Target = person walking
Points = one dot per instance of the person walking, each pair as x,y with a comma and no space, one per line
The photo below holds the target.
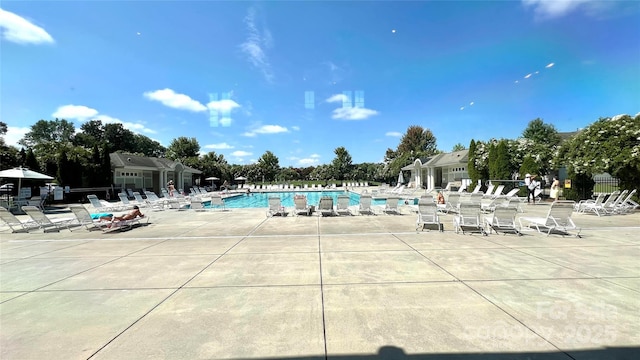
555,189
532,185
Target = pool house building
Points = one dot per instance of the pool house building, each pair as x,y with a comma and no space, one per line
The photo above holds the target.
150,173
439,170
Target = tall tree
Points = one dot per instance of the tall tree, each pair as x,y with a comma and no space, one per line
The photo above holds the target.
458,147
472,167
119,138
48,138
541,141
541,133
418,142
499,165
342,164
183,148
269,165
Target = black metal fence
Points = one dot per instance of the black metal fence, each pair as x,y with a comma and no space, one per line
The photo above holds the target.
605,184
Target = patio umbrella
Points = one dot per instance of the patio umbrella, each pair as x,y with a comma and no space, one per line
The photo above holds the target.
22,173
212,179
240,178
400,178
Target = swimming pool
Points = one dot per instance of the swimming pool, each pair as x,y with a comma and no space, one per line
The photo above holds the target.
261,200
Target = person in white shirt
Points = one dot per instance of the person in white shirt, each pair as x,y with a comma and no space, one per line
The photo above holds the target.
532,185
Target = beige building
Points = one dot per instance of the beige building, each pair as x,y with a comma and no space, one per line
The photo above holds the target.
439,170
150,173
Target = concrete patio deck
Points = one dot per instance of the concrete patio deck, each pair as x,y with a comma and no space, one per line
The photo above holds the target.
238,285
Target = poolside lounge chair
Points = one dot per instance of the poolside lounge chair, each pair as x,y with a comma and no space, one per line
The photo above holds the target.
14,223
43,221
468,219
502,220
452,204
590,205
217,202
558,220
275,207
120,225
84,218
391,205
428,214
105,206
301,205
627,204
364,207
599,207
342,207
325,206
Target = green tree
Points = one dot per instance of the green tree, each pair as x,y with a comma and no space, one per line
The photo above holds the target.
9,155
418,141
183,148
458,147
269,166
148,147
541,133
119,138
342,164
540,141
499,166
610,145
30,160
472,168
47,139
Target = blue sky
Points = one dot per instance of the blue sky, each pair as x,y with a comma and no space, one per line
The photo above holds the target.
302,78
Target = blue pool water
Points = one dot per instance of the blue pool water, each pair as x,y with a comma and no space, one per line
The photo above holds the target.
261,200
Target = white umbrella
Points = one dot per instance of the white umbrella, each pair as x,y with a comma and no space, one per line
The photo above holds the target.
22,173
212,178
240,178
400,178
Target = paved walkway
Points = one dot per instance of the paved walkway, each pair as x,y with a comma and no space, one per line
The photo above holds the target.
236,284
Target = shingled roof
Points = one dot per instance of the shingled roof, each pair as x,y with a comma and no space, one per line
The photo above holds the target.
152,163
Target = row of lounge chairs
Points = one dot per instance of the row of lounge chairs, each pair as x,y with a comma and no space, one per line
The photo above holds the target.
608,204
37,220
326,206
469,217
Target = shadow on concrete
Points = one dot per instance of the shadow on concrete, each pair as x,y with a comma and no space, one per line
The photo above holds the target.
396,353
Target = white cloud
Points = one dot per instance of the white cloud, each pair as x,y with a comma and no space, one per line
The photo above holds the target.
21,31
258,40
223,105
174,100
78,112
549,65
225,121
295,128
527,76
393,134
558,8
266,129
339,98
240,153
308,161
353,113
315,156
219,146
83,113
15,134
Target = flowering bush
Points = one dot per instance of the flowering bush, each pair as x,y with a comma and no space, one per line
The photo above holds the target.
609,145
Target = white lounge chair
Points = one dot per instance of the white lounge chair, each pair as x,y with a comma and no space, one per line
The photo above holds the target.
558,220
14,223
365,207
217,202
468,219
342,207
43,221
84,218
325,206
275,207
428,214
301,205
391,205
502,220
